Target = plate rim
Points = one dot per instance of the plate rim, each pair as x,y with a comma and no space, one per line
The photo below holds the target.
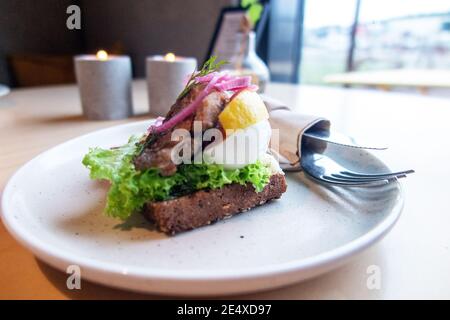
56,257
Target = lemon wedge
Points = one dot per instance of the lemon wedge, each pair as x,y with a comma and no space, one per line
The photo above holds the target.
246,109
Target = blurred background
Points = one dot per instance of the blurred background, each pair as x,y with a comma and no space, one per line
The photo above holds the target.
382,44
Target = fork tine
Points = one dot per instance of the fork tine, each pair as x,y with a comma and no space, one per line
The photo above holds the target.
341,175
354,183
361,180
329,180
374,175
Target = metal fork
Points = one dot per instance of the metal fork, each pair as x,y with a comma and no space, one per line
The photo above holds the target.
323,168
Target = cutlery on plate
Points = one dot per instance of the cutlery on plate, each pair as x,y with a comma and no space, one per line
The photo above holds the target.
325,169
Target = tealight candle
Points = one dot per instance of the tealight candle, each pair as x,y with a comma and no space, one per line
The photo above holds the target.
104,82
166,78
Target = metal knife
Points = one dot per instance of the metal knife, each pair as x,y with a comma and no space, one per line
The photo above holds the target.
340,139
322,135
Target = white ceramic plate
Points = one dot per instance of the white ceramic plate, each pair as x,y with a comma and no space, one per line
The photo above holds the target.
52,207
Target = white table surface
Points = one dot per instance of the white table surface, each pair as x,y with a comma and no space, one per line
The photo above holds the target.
419,78
414,258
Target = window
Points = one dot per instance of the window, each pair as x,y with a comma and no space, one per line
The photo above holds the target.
387,35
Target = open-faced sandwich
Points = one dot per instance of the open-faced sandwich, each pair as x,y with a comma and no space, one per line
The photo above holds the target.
206,160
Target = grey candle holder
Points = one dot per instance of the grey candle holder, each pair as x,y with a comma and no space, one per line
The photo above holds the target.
105,86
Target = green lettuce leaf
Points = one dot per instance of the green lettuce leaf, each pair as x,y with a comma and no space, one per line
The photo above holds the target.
131,189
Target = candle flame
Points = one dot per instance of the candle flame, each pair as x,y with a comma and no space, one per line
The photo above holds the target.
169,57
102,55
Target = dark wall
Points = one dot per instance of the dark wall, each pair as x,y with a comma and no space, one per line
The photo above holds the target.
147,27
141,27
30,26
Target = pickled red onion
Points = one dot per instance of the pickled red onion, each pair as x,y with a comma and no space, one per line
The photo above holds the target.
187,111
216,81
234,84
206,78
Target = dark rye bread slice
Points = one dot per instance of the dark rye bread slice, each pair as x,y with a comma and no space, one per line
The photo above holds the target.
207,206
